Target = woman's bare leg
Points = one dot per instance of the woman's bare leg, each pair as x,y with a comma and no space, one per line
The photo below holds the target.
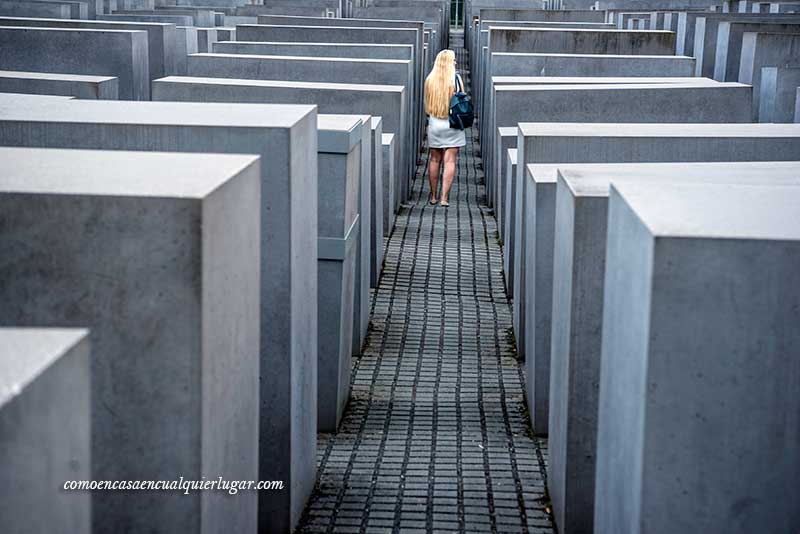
450,155
433,171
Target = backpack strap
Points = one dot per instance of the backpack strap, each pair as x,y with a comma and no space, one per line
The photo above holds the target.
459,85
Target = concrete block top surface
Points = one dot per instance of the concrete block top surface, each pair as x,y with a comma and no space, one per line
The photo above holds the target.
594,179
54,76
23,99
508,131
605,80
512,154
715,211
375,122
387,139
578,30
594,56
618,87
100,23
348,29
26,353
160,113
65,30
285,84
327,45
86,172
338,133
305,58
579,129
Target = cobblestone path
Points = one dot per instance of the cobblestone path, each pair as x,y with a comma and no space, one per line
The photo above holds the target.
436,437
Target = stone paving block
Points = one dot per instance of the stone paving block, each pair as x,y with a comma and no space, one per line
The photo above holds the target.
79,86
578,272
161,52
178,325
285,137
696,372
44,429
118,53
390,205
586,143
339,163
376,202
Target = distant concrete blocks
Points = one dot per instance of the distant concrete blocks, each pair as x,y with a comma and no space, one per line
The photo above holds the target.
162,264
698,399
122,54
44,429
77,85
778,93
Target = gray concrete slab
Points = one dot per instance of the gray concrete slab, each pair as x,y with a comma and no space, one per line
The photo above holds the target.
355,50
118,53
185,44
586,143
376,202
339,150
206,37
698,322
79,86
178,325
363,261
390,205
285,137
707,33
24,8
311,69
506,138
578,274
728,49
44,429
380,100
778,93
160,37
313,34
510,155
765,50
202,18
627,103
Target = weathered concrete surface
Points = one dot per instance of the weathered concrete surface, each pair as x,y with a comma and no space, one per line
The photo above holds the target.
161,37
376,202
178,326
585,143
285,137
695,373
385,101
728,49
778,94
358,50
44,429
122,54
578,273
508,215
186,42
79,86
24,8
339,161
389,150
765,50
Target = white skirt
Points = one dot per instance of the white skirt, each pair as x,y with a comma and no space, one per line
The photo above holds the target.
440,135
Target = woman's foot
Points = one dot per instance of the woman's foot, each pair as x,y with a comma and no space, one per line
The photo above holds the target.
445,203
433,200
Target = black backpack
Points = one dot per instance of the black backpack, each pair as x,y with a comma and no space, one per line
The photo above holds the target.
461,113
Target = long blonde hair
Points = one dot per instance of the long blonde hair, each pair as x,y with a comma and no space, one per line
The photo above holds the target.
440,85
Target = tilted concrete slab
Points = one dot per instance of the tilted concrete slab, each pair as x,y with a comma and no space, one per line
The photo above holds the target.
79,86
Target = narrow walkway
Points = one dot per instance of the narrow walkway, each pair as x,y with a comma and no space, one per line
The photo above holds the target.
436,436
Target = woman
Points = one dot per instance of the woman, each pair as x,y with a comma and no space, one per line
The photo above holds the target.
442,140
